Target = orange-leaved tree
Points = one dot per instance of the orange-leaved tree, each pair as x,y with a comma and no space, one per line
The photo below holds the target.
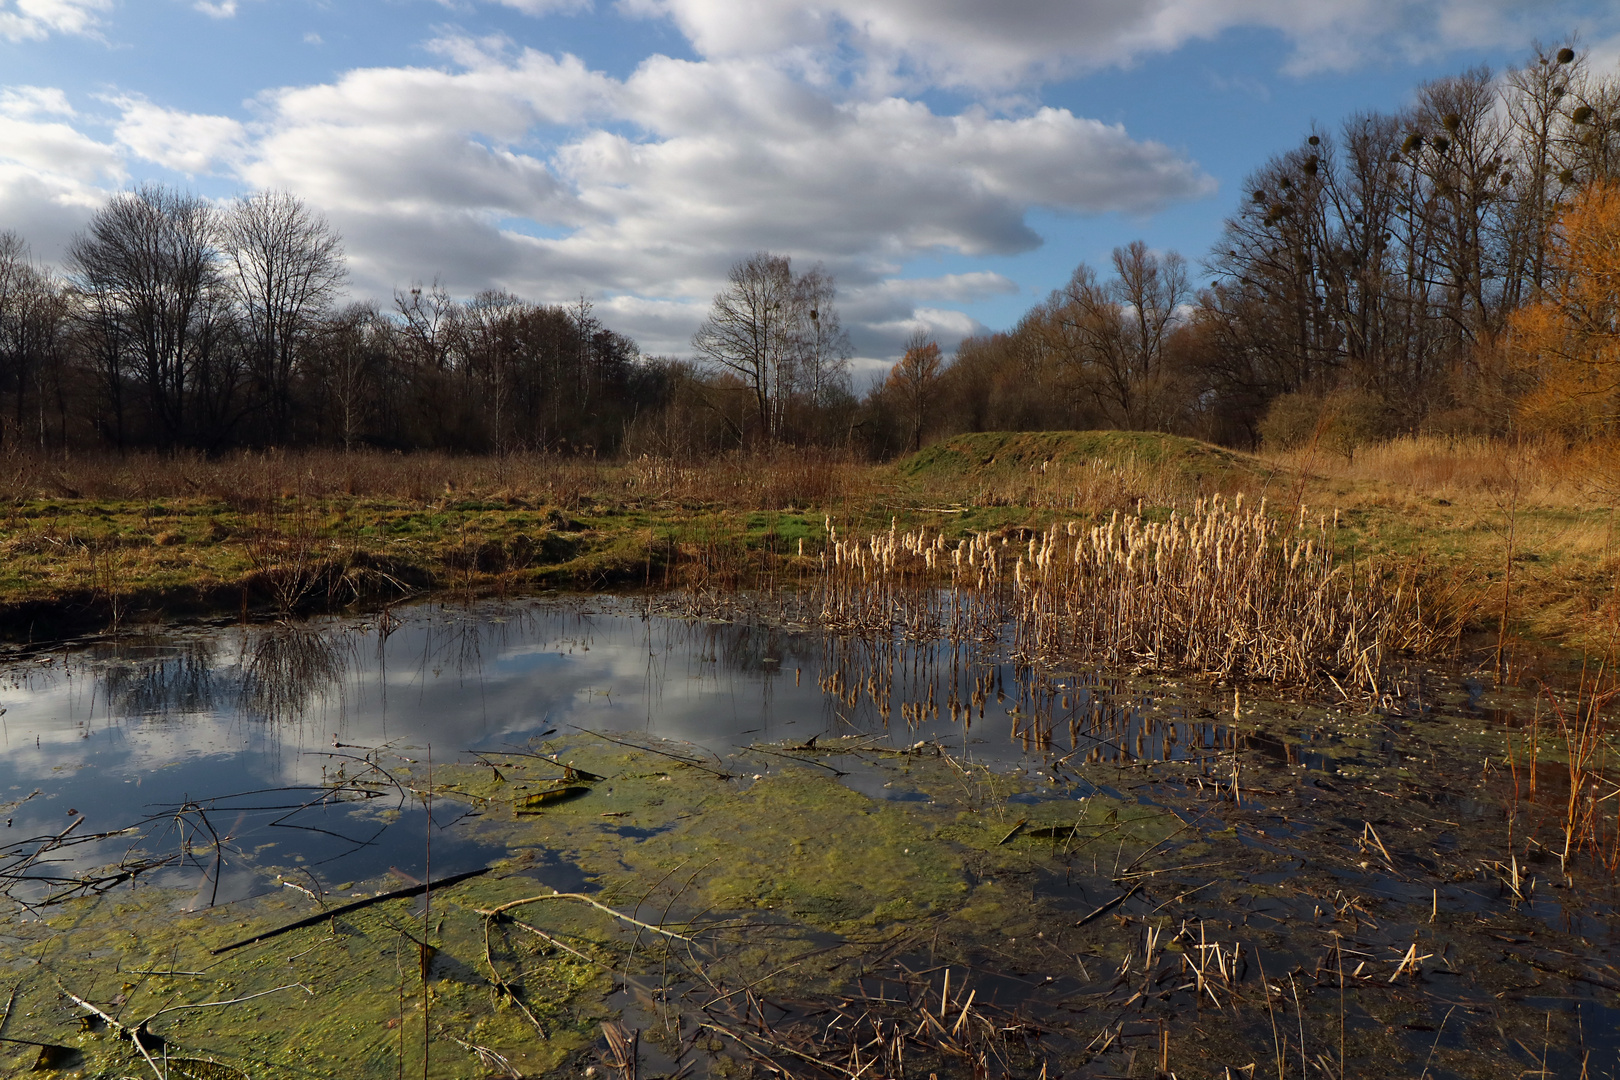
1566,344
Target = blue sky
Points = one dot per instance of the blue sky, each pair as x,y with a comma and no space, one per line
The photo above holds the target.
950,160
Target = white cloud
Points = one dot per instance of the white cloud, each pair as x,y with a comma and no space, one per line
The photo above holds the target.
527,171
954,288
217,9
35,20
25,102
547,7
946,326
48,207
52,176
186,142
889,310
56,149
514,168
974,43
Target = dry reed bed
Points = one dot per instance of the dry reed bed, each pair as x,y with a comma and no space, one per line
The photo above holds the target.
1225,589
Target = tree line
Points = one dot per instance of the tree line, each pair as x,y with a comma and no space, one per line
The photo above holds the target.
175,323
1374,279
1433,268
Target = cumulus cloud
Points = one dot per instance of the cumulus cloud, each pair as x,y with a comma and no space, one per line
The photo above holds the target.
969,42
528,171
35,20
222,9
525,170
890,310
56,149
52,176
186,142
952,288
25,102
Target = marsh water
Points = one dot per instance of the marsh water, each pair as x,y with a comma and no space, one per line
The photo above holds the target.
135,728
1251,854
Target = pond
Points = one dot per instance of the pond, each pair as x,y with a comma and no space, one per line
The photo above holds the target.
280,850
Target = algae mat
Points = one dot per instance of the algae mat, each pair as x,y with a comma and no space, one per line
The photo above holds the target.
736,874
765,852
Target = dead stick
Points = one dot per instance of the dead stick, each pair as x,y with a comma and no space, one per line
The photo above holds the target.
332,913
779,1047
502,908
661,753
132,1034
791,757
507,988
1110,905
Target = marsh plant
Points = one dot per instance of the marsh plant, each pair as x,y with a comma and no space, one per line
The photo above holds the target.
1225,588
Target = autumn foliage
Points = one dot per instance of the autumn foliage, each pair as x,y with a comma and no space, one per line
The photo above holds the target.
1566,344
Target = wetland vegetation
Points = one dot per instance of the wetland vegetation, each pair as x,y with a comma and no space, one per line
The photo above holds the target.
544,708
1084,755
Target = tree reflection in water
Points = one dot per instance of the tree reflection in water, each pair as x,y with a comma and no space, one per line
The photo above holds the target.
283,668
160,677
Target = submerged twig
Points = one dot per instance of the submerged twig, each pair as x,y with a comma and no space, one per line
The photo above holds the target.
500,909
684,760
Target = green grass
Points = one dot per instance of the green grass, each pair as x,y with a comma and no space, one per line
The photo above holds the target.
157,542
991,455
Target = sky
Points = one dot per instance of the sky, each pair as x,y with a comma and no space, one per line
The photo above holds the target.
949,161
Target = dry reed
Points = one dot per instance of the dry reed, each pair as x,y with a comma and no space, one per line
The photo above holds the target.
1225,589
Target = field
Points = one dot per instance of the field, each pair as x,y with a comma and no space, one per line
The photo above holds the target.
1513,545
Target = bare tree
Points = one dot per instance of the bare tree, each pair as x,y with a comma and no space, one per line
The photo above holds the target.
149,270
1532,94
1113,335
750,332
288,268
823,346
355,345
32,314
429,324
915,380
487,330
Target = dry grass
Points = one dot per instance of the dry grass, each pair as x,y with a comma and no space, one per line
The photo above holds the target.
92,540
777,480
1096,486
1521,532
1524,529
1471,469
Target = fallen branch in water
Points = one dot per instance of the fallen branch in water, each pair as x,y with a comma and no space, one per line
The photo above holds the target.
1111,905
692,762
137,1035
490,913
792,757
507,988
344,909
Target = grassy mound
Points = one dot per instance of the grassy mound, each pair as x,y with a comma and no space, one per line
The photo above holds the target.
989,455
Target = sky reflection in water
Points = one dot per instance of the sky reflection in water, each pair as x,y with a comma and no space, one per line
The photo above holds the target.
135,728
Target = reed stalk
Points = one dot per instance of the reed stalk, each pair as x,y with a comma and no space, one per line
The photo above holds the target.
1225,589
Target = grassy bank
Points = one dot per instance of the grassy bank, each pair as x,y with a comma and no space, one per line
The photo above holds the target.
92,542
